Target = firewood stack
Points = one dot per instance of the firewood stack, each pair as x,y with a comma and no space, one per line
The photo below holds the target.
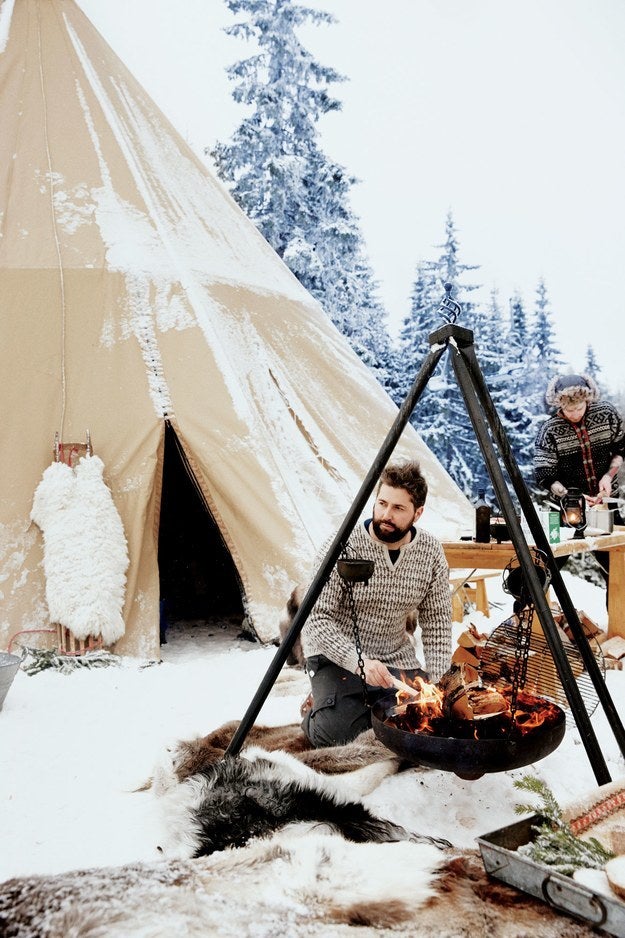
469,651
612,649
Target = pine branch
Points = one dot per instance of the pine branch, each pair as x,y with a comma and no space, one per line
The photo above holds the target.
555,844
548,805
35,660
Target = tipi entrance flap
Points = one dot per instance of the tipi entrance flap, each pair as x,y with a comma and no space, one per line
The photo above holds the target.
198,578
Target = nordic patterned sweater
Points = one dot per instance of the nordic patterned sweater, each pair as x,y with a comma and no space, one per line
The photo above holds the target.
419,579
558,454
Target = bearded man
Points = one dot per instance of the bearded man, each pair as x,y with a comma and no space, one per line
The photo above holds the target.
410,573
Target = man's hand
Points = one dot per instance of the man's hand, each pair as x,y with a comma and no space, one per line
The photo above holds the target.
377,674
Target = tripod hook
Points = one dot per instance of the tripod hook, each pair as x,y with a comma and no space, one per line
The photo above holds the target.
449,309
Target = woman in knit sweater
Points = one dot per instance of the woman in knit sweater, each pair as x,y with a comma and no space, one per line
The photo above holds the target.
581,446
410,573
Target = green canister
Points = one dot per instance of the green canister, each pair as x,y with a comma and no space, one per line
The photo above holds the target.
551,525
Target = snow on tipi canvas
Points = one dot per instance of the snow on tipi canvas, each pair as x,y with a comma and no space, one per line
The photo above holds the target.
135,295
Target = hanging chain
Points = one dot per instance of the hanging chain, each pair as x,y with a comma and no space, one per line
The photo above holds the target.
349,591
521,655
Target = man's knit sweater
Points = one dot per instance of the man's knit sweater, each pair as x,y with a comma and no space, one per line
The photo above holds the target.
419,579
558,455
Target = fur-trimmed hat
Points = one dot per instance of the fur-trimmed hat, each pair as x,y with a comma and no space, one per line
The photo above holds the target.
571,389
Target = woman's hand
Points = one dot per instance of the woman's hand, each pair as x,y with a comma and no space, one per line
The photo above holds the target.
605,482
558,490
605,485
377,674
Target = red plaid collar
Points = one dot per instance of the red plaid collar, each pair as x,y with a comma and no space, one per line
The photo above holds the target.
584,443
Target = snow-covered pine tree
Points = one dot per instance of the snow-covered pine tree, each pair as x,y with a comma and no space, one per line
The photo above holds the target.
490,337
594,369
450,270
592,366
450,434
277,172
544,360
413,337
517,406
518,332
546,357
440,417
490,330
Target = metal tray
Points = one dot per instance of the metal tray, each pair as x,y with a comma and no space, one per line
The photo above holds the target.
502,861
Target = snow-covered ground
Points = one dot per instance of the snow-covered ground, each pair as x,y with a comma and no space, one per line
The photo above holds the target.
72,748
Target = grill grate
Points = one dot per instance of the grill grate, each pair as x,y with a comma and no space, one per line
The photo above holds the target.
542,678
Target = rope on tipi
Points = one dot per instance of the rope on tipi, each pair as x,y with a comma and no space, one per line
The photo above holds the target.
54,226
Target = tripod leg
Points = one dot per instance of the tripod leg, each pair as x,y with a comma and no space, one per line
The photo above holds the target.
542,542
334,551
473,401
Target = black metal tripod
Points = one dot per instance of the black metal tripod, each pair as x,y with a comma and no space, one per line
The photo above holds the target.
458,342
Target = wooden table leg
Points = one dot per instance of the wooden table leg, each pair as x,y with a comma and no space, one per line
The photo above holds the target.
616,594
481,597
457,607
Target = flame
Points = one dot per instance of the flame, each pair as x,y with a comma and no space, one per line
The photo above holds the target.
426,714
430,696
532,712
423,709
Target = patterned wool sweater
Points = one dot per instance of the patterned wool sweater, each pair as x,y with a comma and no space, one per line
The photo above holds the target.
419,579
558,455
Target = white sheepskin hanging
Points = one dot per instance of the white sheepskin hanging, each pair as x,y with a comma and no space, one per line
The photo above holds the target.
85,555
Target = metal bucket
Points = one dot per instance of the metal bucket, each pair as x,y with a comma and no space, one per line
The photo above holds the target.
600,518
8,669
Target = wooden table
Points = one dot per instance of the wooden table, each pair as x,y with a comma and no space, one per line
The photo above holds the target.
493,556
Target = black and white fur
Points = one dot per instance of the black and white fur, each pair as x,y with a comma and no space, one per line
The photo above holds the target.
254,794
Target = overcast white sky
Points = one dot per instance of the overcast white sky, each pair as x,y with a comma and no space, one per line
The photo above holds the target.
509,113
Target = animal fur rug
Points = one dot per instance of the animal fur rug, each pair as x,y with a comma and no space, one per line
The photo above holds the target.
298,883
303,879
230,802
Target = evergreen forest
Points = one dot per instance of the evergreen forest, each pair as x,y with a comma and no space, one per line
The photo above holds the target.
299,198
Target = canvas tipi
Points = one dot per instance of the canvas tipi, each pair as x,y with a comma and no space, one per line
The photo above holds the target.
137,296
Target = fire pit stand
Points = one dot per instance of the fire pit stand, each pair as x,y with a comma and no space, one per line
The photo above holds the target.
458,342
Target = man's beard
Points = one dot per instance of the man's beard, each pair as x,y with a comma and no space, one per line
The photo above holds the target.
391,534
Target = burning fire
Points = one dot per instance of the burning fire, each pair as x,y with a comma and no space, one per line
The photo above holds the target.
453,708
429,699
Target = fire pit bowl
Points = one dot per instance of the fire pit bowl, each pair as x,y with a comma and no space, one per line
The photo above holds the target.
469,758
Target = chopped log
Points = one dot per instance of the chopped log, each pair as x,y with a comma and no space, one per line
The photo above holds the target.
614,647
615,871
465,699
465,656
